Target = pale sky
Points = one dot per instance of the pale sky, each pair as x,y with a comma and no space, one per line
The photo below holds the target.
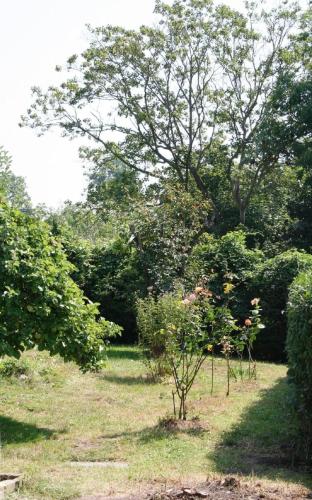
35,36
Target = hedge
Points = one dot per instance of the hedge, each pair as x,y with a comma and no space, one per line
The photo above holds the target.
271,281
299,349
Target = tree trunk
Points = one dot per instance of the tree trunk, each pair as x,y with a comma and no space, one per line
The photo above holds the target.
242,213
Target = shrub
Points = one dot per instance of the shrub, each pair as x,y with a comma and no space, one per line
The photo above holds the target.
174,330
229,259
225,259
39,302
271,281
177,334
78,250
299,350
115,282
152,317
10,368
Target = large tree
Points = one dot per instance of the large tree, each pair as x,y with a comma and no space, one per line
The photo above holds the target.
162,100
291,124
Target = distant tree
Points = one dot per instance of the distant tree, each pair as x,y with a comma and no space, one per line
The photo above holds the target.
12,187
113,189
164,230
82,220
198,82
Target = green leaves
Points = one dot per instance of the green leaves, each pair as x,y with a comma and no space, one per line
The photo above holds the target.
12,187
39,302
202,76
299,350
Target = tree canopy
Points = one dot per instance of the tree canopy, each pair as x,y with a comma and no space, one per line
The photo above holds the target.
176,100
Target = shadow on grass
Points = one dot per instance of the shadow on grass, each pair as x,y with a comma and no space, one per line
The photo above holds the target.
124,353
264,441
127,380
155,433
15,432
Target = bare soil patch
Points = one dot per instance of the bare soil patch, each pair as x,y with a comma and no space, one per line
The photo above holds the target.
232,489
228,488
174,425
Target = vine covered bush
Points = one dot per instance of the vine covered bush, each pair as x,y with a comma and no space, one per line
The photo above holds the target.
40,304
299,350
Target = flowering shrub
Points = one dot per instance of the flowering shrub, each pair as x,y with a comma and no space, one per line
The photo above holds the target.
178,332
173,332
250,330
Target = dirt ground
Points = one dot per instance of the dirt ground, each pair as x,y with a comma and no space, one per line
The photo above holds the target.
228,488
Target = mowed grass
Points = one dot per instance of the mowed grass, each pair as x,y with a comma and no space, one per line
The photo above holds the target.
58,415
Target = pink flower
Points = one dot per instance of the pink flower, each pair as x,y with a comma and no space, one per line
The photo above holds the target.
189,298
248,322
255,302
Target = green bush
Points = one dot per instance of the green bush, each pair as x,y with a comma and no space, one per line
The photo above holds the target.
174,336
223,260
299,349
228,259
116,280
152,317
39,302
216,261
270,281
79,253
10,368
178,332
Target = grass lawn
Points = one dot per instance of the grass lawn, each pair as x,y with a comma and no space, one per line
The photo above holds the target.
58,415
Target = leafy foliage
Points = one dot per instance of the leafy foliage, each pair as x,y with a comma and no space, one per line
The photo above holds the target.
12,187
271,282
39,303
164,234
195,86
12,368
173,336
116,280
299,350
152,317
78,251
228,259
113,188
222,260
78,221
177,334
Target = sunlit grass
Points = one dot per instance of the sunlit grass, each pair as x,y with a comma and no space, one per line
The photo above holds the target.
57,415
